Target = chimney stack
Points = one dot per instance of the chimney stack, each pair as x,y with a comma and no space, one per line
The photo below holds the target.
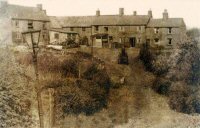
39,6
165,14
150,13
121,11
3,3
135,13
98,13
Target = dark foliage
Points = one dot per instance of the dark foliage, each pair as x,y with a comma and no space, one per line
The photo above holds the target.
123,57
70,68
147,57
162,86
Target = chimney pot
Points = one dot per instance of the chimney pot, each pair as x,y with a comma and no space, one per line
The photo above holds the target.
3,3
165,14
98,12
135,13
150,13
121,11
39,6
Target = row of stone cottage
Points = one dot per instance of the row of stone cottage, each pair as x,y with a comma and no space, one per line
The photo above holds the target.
98,30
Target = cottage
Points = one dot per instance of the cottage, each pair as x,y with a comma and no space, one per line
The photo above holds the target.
125,30
21,18
165,31
107,31
59,36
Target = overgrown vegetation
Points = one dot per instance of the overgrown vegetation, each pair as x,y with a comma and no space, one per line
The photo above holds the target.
81,85
178,75
16,99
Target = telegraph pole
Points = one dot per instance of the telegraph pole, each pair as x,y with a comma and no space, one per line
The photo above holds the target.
35,46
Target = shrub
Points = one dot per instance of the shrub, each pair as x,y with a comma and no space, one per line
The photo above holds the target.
162,86
70,68
15,96
147,57
77,96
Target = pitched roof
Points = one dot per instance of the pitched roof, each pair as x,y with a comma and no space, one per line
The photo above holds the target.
121,20
63,31
24,13
82,21
170,22
54,22
87,21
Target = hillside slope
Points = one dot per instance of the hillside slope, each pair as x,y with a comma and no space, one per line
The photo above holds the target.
134,105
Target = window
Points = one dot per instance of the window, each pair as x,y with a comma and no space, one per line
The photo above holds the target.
156,40
169,30
120,40
139,40
44,26
18,35
139,28
96,28
170,41
71,29
56,36
105,29
30,24
83,29
17,24
121,28
156,30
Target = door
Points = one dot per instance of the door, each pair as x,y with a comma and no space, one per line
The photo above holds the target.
132,41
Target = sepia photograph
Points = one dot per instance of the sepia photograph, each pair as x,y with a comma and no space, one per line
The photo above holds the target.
99,64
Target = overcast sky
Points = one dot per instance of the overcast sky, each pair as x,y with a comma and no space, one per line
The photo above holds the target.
188,9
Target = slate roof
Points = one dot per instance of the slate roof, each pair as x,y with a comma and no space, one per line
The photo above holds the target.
170,22
121,20
54,22
87,21
76,21
24,13
63,31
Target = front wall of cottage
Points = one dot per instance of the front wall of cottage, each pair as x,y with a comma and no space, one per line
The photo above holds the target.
123,34
79,30
176,36
19,26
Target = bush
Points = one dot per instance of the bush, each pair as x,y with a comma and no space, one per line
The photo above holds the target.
180,98
77,96
70,68
162,86
15,96
98,76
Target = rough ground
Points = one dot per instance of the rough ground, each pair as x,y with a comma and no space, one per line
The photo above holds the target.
134,105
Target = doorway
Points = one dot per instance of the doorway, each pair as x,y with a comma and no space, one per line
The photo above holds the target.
132,41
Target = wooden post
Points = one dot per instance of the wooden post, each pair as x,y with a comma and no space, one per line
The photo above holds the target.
39,99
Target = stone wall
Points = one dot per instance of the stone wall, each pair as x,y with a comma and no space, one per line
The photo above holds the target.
19,26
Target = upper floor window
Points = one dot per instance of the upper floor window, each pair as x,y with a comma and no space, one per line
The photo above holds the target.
96,28
71,29
17,24
56,36
121,28
156,40
105,29
170,41
139,40
139,28
169,30
18,35
30,24
156,30
44,26
83,29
